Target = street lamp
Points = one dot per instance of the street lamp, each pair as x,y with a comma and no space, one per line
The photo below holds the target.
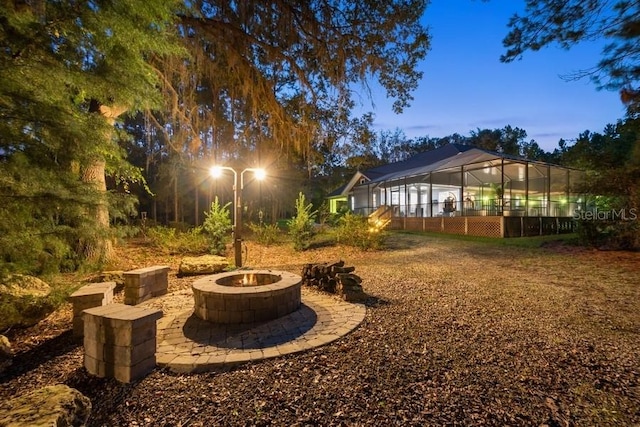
260,174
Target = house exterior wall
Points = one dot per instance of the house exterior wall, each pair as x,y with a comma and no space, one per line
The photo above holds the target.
336,203
497,188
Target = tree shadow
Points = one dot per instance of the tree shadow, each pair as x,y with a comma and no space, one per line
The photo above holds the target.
326,243
31,359
251,335
372,301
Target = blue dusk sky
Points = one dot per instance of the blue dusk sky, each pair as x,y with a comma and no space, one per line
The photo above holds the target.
466,87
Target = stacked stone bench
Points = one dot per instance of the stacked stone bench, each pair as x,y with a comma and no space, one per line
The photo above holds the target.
89,296
144,283
120,341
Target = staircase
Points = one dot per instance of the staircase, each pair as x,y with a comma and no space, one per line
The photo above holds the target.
381,217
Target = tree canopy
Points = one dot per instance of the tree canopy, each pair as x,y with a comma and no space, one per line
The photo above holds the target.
218,80
281,73
568,22
273,83
65,69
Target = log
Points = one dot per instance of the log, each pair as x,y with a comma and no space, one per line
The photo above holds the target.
334,278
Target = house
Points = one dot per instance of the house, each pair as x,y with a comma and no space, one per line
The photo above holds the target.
462,189
339,198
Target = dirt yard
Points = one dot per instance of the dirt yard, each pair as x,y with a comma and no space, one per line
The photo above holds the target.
456,333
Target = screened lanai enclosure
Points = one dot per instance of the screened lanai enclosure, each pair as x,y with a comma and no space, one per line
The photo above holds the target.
465,190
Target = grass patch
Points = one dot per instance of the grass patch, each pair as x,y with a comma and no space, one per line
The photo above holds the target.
523,242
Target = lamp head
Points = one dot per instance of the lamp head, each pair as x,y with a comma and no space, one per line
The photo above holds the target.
215,171
260,174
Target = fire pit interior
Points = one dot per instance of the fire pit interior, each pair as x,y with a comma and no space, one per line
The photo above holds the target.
249,279
246,297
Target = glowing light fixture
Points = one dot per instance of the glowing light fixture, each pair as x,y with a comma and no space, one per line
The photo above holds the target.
260,174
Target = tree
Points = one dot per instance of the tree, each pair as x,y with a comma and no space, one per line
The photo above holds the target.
568,22
275,79
301,224
280,74
508,140
611,161
68,70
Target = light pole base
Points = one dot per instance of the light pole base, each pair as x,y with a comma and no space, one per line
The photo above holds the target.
237,249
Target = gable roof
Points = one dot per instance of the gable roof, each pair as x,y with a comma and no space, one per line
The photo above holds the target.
420,159
344,190
382,172
445,157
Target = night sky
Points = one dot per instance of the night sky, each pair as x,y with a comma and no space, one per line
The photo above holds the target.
466,87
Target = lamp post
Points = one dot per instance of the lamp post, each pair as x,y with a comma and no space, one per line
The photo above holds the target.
216,171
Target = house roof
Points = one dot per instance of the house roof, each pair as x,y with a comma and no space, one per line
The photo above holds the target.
344,190
442,158
472,155
416,161
446,157
338,192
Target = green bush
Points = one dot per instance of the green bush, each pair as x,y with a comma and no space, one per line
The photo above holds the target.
354,230
36,254
265,234
301,225
610,222
217,225
173,241
612,234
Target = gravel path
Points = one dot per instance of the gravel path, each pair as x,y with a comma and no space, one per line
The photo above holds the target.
456,333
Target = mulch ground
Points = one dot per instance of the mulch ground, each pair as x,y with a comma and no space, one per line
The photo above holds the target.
456,333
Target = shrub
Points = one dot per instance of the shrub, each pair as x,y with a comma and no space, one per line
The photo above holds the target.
354,230
265,234
611,234
610,222
217,225
173,241
301,225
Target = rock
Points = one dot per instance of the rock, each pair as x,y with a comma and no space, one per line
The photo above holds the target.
20,285
57,405
24,301
6,354
206,264
111,276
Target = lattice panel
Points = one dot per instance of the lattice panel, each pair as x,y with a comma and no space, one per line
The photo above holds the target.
433,225
395,224
454,225
414,224
484,226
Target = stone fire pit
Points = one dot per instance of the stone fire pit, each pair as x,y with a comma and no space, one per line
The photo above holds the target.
246,296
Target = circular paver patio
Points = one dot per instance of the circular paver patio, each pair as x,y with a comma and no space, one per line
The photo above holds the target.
186,343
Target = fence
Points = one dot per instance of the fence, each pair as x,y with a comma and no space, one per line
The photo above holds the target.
487,226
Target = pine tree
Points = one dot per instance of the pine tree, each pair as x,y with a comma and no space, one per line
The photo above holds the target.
67,71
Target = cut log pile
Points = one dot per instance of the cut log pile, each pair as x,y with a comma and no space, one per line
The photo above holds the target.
334,278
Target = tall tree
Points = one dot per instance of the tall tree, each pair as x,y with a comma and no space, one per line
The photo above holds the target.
67,71
281,72
276,78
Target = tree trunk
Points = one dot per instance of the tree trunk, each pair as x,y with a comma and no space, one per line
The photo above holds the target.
94,173
101,247
176,217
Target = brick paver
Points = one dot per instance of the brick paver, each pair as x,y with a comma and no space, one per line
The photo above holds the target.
189,344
